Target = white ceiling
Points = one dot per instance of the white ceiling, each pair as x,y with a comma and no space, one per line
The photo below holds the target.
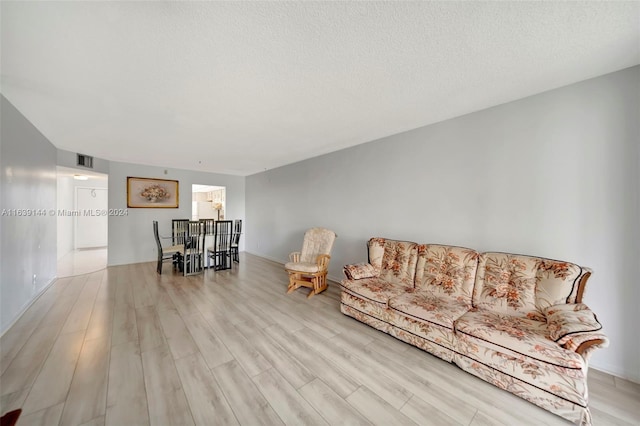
241,87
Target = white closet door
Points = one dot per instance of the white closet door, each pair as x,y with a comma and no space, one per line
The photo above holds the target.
91,222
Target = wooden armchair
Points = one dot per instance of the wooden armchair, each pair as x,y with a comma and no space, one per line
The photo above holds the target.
308,267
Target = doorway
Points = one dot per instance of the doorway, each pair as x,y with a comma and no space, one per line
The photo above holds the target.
82,223
208,202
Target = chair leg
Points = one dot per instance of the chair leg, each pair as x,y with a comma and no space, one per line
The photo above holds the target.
292,282
319,285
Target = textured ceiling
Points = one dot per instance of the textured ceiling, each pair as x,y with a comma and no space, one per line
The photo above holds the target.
240,87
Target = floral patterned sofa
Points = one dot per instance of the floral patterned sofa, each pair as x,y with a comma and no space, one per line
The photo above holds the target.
514,321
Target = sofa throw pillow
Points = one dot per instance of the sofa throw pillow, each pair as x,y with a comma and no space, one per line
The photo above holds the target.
571,318
359,271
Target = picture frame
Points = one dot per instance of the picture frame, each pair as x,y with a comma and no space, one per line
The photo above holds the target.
152,193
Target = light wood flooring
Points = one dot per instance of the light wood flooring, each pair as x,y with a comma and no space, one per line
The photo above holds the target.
125,346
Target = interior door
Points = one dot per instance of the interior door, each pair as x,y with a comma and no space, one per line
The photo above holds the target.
91,222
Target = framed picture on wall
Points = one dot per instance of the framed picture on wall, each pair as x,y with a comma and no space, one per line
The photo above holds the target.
152,193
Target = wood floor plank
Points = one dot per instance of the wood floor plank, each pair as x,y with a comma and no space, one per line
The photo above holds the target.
53,381
180,299
125,326
248,404
178,337
376,409
292,408
427,388
101,322
627,385
211,347
87,396
98,421
16,336
334,409
14,400
206,400
141,296
361,369
242,350
45,417
482,419
23,370
149,328
78,318
126,397
423,413
332,374
165,396
107,292
124,295
92,285
57,315
290,367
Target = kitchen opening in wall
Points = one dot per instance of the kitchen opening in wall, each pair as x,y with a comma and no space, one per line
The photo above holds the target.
82,221
208,202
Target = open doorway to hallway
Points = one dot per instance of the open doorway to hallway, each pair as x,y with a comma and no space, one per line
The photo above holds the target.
82,221
208,202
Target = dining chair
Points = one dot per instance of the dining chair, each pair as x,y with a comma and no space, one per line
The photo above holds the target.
235,241
172,253
308,268
193,255
178,229
208,226
219,251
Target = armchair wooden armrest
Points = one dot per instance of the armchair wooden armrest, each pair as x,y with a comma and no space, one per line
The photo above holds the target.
323,261
294,257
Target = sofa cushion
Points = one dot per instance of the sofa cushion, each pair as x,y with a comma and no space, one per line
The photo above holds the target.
524,285
506,284
398,265
372,289
309,267
557,282
359,271
515,336
425,306
567,319
376,251
447,271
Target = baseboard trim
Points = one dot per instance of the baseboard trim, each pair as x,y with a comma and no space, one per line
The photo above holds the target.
28,305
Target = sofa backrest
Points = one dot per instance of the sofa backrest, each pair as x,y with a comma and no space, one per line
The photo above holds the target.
525,285
395,260
447,271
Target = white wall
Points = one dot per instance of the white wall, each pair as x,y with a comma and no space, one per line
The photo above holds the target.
28,181
131,237
553,175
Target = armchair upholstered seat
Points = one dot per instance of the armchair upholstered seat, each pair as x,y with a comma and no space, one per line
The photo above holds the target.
309,267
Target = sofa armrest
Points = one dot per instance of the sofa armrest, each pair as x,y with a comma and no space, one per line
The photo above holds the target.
585,343
360,271
575,327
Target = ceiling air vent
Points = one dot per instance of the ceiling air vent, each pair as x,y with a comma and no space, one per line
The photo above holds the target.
85,161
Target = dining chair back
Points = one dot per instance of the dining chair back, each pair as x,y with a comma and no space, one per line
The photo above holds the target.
178,230
193,257
235,240
219,252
